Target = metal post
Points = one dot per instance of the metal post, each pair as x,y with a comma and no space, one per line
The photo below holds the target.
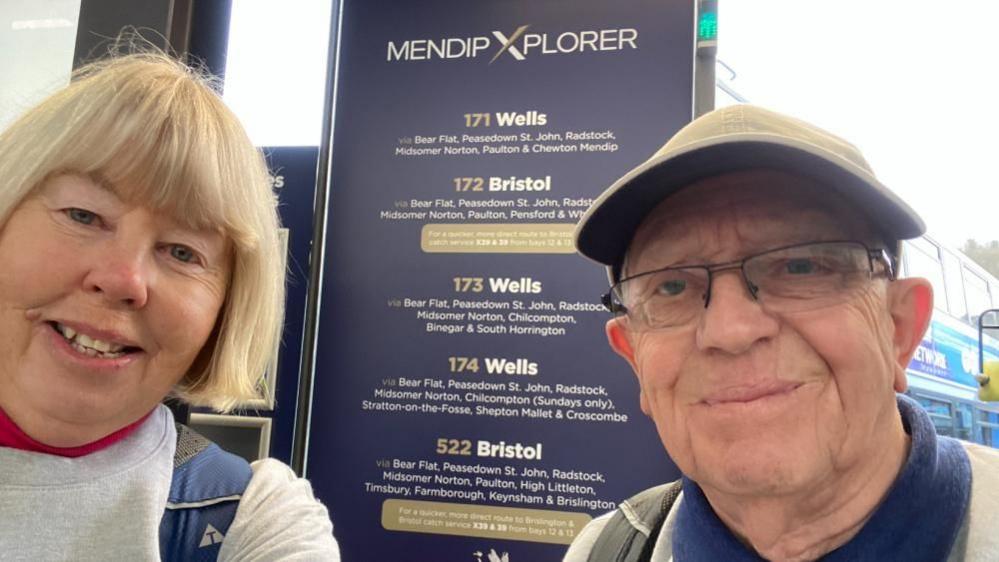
313,299
704,65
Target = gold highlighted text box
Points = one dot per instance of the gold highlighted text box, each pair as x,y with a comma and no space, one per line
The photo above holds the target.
530,238
511,523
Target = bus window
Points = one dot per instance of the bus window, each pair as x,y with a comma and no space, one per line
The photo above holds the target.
965,420
977,292
955,285
921,261
941,412
988,422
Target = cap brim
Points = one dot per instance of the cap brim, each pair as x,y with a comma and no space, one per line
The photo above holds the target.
606,230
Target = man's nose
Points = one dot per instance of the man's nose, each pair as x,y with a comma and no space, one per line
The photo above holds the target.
120,273
733,320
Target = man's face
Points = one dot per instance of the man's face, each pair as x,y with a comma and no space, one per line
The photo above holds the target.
747,401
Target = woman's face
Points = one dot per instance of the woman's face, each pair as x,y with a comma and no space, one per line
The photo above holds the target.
104,305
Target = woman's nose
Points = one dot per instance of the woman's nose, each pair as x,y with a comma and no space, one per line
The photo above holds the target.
120,275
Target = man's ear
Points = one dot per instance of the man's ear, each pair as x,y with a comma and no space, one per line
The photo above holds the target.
619,339
911,305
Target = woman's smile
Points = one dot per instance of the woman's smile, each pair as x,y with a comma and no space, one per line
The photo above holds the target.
90,351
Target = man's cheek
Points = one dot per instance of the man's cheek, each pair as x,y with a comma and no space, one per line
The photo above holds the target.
837,342
655,375
643,402
859,373
646,390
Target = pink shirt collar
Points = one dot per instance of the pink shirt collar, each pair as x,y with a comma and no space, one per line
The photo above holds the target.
14,437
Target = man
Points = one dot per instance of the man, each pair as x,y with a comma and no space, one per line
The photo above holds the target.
753,261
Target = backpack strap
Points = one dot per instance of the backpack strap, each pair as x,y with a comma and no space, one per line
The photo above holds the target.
205,491
631,532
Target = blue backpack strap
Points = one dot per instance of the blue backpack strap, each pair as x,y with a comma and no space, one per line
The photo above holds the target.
204,494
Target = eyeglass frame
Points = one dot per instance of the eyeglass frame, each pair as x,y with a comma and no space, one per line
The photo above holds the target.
880,255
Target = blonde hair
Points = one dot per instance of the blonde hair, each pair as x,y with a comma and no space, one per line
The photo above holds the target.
155,129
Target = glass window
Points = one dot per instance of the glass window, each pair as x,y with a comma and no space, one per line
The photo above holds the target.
862,70
920,262
955,285
964,420
977,292
988,422
37,41
725,94
942,414
275,74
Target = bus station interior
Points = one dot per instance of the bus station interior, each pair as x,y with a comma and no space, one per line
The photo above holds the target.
903,91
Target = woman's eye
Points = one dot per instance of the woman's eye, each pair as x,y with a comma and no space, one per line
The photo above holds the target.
672,287
183,254
82,216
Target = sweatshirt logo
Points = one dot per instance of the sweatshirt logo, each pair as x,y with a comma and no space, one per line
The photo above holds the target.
211,537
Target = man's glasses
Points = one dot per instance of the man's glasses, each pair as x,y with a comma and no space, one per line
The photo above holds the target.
787,279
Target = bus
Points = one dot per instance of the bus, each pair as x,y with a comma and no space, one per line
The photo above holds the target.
942,374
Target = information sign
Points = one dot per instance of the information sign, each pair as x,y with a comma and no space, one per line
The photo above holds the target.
467,407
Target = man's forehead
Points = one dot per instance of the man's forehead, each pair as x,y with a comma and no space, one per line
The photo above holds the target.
765,208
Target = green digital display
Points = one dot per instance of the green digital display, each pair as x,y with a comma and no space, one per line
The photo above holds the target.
707,26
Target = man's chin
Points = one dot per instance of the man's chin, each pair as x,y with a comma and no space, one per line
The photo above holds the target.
760,471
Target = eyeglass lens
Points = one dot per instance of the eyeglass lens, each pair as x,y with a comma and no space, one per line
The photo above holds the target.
791,279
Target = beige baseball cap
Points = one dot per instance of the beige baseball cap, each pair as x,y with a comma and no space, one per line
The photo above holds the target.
729,139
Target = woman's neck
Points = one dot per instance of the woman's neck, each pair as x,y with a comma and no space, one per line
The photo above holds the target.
14,437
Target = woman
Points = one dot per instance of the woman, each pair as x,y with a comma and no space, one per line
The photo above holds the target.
139,252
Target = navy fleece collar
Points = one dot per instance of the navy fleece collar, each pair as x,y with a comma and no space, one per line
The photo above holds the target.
918,520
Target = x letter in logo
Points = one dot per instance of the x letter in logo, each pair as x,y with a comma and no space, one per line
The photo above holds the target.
508,43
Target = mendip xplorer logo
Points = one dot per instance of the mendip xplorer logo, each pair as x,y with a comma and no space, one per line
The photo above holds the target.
520,44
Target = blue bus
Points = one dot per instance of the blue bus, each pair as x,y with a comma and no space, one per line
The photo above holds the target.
942,372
